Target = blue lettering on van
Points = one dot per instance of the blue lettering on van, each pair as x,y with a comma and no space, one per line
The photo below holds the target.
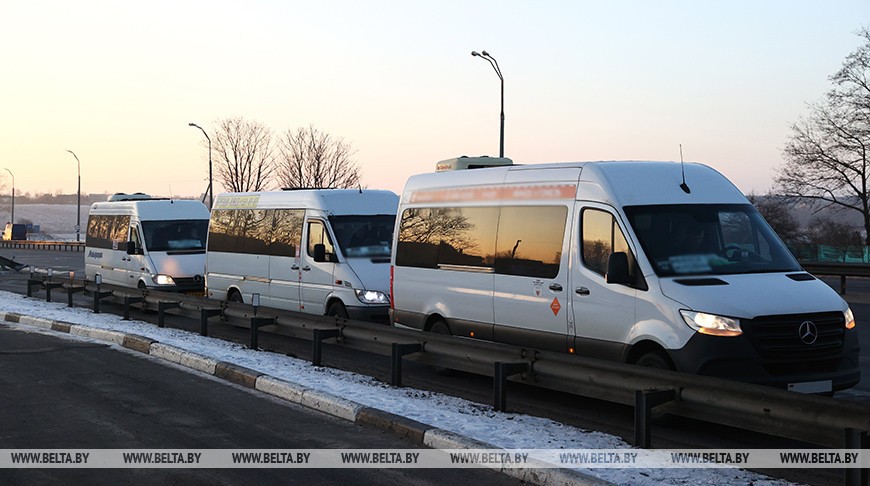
95,254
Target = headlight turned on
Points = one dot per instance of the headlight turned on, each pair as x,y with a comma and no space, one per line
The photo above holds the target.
850,318
712,324
372,297
163,280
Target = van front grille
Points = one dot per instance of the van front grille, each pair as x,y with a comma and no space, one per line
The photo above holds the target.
797,337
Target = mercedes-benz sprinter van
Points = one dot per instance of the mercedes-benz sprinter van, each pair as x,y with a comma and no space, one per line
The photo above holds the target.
319,251
134,240
656,263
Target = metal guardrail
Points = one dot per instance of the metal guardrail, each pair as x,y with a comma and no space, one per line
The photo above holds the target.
814,419
43,245
841,270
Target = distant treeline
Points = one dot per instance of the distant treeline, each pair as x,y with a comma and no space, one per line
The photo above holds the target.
87,199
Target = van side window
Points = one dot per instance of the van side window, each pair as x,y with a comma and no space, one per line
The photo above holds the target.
601,237
256,231
135,238
530,240
109,232
285,231
429,237
317,234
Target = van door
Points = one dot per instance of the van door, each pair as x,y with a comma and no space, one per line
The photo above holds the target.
315,281
284,258
531,277
603,314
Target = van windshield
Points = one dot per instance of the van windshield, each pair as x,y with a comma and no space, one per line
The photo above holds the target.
708,239
364,236
175,235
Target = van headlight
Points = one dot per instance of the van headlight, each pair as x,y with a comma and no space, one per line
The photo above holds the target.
712,324
850,318
163,280
371,297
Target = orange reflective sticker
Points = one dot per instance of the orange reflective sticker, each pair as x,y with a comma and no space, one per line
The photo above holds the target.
555,306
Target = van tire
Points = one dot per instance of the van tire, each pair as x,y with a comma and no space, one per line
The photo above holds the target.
441,327
337,309
235,296
655,360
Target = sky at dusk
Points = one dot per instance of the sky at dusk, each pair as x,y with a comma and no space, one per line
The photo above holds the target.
118,82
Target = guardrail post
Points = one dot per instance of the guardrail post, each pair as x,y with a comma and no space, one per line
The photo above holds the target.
256,324
856,440
319,336
644,401
98,296
400,350
69,294
48,286
499,384
161,310
203,319
127,302
842,285
31,282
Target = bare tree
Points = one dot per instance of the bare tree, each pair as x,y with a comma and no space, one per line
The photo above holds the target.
311,158
826,155
244,154
777,211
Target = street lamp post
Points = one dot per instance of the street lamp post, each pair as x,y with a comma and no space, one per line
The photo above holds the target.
494,64
79,196
13,194
210,193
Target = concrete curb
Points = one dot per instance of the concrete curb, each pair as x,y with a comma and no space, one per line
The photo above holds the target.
403,427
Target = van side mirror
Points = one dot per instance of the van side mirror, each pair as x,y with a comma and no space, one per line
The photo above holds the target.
131,247
320,253
617,269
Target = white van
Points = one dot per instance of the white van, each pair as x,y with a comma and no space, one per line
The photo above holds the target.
320,251
134,240
625,261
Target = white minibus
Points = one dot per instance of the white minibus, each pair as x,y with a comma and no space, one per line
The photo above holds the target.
319,251
660,264
134,240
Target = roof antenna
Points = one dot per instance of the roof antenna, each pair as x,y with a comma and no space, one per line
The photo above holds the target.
360,187
170,194
683,185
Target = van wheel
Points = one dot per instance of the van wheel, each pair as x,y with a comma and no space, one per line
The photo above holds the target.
654,360
337,309
235,296
440,327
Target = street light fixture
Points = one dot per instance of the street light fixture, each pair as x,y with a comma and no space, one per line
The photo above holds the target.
494,64
79,198
13,194
210,193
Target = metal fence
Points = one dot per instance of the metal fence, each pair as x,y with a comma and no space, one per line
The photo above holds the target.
814,419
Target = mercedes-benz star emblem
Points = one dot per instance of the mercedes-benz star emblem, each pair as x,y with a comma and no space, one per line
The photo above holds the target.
808,332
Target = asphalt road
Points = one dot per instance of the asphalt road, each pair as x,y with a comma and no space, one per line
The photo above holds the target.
64,394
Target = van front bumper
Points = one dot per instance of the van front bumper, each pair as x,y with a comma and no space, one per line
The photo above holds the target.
183,285
739,358
373,313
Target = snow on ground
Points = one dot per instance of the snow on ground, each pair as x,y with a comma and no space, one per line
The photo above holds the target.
474,420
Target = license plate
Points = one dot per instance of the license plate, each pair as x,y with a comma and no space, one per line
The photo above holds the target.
812,387
195,293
